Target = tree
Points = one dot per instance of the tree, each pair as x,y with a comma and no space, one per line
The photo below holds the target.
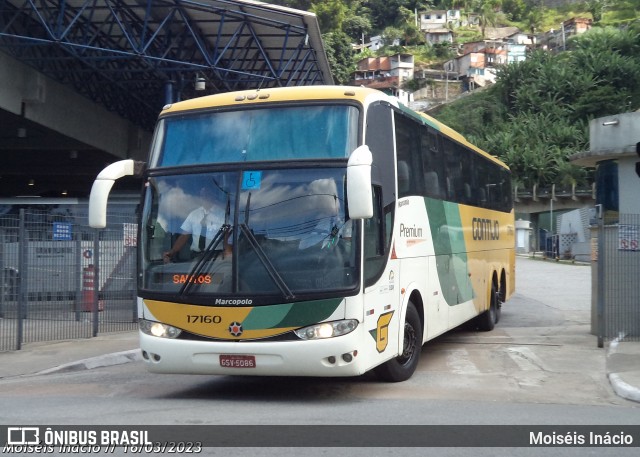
304,5
384,13
488,10
331,14
537,114
597,8
340,56
516,10
533,18
391,35
356,27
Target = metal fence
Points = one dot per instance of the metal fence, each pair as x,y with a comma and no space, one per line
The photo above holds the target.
618,278
63,280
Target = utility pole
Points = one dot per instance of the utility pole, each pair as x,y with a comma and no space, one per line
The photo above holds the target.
446,83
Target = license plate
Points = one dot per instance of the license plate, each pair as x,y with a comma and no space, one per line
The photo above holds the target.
237,361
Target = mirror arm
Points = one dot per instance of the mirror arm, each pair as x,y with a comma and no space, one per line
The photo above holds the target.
102,187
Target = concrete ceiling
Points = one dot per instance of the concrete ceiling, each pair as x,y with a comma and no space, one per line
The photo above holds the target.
133,56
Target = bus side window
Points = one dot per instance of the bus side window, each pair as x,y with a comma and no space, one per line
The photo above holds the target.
431,165
482,197
375,239
408,156
373,236
404,178
432,141
432,184
469,169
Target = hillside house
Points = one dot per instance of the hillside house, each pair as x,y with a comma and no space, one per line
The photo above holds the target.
435,36
440,19
375,43
386,73
556,39
480,59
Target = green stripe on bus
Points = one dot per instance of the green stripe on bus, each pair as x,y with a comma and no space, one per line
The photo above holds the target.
290,314
450,251
459,253
413,114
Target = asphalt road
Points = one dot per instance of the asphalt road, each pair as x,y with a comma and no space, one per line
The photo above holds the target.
539,366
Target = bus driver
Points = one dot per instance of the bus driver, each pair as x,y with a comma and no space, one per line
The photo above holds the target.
202,224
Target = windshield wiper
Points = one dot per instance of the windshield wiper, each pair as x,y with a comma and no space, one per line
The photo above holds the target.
209,253
264,259
262,256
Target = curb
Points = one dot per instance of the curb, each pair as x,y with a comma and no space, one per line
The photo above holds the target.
620,387
107,360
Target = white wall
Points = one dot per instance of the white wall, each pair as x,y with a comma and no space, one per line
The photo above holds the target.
629,184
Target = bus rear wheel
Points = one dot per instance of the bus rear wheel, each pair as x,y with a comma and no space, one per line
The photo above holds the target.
402,367
488,320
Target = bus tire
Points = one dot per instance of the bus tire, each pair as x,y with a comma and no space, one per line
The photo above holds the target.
403,366
498,300
487,320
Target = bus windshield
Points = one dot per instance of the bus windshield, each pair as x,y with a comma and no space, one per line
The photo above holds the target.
278,232
258,134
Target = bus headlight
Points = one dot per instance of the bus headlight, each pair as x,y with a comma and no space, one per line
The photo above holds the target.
158,329
327,330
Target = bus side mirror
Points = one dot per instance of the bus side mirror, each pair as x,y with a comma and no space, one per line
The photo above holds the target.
102,186
359,197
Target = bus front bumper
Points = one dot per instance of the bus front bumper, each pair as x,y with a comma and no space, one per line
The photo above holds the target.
329,357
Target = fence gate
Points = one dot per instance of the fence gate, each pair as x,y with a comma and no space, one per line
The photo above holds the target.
619,278
62,279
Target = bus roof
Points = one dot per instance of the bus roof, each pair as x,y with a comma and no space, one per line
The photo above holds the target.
280,94
297,93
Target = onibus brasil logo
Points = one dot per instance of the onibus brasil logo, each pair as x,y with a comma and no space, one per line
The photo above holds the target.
44,439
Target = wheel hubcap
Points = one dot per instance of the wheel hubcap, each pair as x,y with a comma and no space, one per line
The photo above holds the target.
409,345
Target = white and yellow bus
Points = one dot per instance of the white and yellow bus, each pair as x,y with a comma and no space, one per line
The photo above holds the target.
348,231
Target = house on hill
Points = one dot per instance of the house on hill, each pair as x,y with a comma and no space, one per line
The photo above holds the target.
477,65
435,36
440,19
386,73
556,39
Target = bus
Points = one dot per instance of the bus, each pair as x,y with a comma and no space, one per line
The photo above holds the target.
348,231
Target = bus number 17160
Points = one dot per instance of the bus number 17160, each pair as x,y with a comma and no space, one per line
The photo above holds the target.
203,319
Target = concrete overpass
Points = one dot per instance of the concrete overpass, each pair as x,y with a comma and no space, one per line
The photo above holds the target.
558,198
542,206
82,81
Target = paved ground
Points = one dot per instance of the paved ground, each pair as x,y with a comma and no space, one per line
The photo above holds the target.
622,358
570,287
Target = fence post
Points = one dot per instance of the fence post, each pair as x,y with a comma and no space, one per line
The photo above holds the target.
22,279
601,275
96,281
77,303
4,277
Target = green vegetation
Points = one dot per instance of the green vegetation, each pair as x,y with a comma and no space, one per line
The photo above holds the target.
538,112
349,20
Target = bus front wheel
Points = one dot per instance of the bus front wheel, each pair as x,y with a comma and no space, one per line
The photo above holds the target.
402,367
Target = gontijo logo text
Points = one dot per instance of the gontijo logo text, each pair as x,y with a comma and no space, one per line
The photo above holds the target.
485,229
